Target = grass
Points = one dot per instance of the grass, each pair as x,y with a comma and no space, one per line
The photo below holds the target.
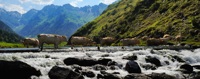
52,45
11,45
20,45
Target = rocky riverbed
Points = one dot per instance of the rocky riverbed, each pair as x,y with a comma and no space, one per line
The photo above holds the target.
111,63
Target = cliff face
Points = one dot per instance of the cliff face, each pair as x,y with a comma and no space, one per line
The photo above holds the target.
154,18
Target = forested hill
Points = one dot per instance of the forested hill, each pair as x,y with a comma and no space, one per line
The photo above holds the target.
7,34
154,18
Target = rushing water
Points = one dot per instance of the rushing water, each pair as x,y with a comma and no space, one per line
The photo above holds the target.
45,60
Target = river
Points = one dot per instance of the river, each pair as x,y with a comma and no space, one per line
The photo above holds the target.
48,58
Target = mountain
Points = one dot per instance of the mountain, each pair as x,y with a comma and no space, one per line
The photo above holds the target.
7,34
10,18
63,20
154,18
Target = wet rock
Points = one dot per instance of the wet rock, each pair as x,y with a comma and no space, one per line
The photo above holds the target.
153,60
99,67
110,63
115,73
161,76
17,70
63,73
105,55
186,68
105,75
132,67
196,66
113,67
130,57
113,63
86,61
76,67
136,76
80,61
196,75
177,58
149,66
104,61
89,74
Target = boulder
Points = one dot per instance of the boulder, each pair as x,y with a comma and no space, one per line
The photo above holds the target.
80,61
17,70
86,61
153,60
104,61
63,73
132,67
186,68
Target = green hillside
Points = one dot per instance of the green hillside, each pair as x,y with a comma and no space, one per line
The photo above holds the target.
7,34
154,18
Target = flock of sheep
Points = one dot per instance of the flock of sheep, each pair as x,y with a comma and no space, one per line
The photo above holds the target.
84,41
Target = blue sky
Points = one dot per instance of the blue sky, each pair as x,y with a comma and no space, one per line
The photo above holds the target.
22,6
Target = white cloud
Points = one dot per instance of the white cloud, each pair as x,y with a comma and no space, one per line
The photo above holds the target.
23,1
40,2
1,5
107,1
13,7
75,2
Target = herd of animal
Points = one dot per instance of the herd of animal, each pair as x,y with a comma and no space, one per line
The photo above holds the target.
84,41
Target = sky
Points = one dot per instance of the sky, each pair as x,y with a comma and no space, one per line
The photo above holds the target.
22,6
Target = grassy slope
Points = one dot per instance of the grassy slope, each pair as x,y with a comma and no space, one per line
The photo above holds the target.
10,45
20,45
154,18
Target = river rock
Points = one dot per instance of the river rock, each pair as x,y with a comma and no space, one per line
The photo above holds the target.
104,61
99,67
161,76
149,66
130,57
153,60
177,58
63,73
114,64
80,61
105,75
86,61
17,70
196,67
89,74
136,76
195,76
113,67
132,67
186,68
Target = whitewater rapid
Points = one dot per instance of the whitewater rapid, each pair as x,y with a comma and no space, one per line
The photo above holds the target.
44,61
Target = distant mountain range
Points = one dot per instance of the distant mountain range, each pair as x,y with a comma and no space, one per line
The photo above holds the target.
7,34
63,20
